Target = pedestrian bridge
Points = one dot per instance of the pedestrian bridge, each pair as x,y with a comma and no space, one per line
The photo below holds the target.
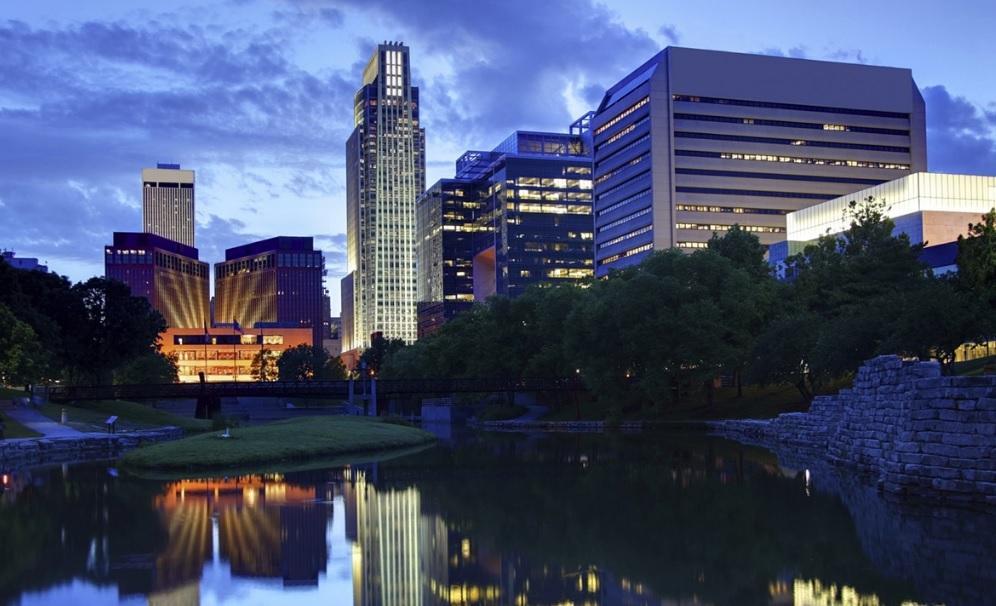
344,390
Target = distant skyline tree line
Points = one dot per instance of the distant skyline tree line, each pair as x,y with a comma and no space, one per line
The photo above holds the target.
653,334
647,335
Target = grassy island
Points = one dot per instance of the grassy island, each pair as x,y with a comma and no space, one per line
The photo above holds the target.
277,443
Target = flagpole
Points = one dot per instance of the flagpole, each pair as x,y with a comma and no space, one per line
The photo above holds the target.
235,353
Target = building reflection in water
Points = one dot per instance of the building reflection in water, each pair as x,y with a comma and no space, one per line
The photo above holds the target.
262,526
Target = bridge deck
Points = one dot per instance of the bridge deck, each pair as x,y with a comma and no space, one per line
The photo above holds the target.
328,389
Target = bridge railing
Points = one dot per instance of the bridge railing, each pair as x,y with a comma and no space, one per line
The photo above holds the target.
341,388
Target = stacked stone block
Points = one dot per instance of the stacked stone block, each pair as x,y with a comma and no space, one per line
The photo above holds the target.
915,432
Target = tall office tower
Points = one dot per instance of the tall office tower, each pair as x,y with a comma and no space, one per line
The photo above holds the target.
385,165
270,283
514,217
168,202
446,219
535,225
693,141
166,273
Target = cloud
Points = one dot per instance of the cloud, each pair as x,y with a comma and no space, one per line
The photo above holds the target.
670,34
83,107
795,52
959,134
509,69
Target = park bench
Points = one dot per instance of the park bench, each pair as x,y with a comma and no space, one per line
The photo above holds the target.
112,424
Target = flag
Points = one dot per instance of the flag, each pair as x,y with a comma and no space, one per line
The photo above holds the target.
235,324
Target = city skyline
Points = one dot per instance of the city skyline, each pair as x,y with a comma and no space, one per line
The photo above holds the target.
262,119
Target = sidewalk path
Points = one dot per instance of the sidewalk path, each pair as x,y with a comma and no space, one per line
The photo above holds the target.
35,420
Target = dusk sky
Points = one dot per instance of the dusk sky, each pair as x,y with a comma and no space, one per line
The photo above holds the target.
256,95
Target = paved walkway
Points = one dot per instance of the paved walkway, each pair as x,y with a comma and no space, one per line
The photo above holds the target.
35,420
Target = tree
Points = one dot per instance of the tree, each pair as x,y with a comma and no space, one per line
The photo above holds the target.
264,366
150,368
380,350
113,328
743,248
307,363
936,319
20,352
977,255
848,282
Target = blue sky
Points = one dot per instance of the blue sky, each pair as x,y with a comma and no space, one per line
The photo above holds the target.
256,95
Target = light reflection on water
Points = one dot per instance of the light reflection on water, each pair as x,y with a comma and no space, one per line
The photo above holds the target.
507,520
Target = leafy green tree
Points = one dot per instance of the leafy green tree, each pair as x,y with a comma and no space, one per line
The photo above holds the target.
20,352
849,282
977,255
308,363
149,368
936,319
743,248
113,328
373,357
264,365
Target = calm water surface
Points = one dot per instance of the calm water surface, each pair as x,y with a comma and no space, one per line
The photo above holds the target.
494,519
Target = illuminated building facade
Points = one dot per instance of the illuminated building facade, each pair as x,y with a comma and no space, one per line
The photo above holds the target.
224,353
385,166
168,202
166,273
514,217
694,141
446,220
277,281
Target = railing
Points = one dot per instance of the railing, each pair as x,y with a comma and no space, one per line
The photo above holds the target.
385,388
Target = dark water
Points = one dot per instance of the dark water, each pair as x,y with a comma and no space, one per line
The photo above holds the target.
497,519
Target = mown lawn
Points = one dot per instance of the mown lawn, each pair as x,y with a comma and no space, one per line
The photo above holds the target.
13,429
90,416
7,393
281,441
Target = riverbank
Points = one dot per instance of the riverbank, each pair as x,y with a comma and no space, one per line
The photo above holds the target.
915,433
18,454
293,440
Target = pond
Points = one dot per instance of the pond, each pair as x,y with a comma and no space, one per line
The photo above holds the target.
514,519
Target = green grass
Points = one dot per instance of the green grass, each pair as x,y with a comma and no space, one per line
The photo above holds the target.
288,441
6,393
13,429
90,416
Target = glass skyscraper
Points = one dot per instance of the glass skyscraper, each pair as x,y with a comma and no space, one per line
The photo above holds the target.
693,141
514,217
385,165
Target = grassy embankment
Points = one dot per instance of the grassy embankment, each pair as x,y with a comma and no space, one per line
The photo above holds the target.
756,403
277,443
13,429
131,415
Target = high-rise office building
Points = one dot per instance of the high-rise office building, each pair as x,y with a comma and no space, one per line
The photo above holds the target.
516,216
273,282
446,220
536,219
168,202
693,141
385,165
166,273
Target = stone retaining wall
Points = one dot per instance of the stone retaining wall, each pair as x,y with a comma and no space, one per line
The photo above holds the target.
18,454
916,432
